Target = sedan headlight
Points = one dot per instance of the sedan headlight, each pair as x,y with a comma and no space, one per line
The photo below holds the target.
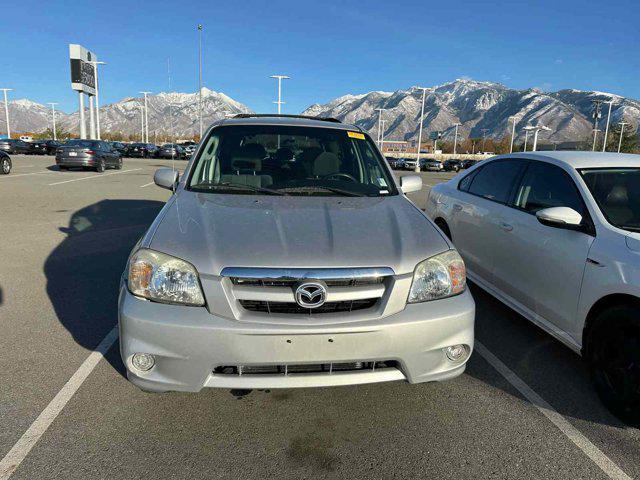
162,278
440,276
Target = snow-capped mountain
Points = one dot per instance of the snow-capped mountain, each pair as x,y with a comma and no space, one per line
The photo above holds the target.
27,116
477,106
168,112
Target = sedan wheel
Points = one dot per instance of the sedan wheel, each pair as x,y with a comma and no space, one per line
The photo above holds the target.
100,166
6,166
615,362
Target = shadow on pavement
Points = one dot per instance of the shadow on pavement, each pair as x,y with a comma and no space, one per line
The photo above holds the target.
83,271
552,370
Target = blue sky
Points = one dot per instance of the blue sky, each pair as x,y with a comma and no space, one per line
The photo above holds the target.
329,48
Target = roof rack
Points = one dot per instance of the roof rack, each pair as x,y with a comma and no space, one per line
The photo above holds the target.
261,115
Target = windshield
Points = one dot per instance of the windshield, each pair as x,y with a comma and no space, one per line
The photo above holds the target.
287,160
617,192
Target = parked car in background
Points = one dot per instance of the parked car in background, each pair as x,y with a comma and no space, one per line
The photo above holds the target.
410,163
171,150
44,147
396,163
452,165
468,163
142,150
14,146
120,147
254,292
5,163
94,154
189,150
556,236
433,166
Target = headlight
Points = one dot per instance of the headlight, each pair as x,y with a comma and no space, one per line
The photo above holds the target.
438,277
163,278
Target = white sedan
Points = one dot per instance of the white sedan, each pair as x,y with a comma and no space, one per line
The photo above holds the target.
556,236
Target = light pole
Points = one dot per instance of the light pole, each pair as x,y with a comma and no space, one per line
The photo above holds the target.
142,124
597,104
535,135
424,94
526,129
513,133
622,124
379,110
6,109
95,69
53,114
606,130
200,77
484,138
146,118
455,138
280,78
384,122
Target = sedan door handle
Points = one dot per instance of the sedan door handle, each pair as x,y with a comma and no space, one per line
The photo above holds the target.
506,227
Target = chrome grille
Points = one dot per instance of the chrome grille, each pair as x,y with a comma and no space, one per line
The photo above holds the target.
294,308
271,290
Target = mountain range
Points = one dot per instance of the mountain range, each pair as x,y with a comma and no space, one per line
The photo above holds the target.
479,107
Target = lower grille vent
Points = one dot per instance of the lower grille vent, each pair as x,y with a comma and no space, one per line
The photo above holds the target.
303,368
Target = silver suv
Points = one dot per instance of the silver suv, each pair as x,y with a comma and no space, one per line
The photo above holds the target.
289,256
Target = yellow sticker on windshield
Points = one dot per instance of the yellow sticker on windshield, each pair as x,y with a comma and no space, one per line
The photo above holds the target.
357,135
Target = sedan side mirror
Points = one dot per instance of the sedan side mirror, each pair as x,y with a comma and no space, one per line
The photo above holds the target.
560,217
411,183
166,178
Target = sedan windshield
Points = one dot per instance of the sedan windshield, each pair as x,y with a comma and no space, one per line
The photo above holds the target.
617,192
290,160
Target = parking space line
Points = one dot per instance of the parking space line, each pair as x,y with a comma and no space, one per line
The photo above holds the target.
146,184
23,446
95,176
25,174
596,455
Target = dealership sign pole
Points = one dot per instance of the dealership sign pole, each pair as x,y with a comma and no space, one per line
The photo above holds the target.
83,81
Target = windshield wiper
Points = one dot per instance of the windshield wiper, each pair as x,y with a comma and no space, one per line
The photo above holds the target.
631,228
319,188
237,186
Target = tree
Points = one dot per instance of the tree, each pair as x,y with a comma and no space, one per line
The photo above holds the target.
629,139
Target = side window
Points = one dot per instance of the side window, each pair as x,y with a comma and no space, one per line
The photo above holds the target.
496,180
466,181
544,186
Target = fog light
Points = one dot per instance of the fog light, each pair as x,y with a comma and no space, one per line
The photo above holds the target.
143,361
457,353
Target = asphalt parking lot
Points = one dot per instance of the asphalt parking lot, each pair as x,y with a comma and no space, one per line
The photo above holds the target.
523,409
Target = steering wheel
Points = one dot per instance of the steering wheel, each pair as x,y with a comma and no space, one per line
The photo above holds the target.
340,175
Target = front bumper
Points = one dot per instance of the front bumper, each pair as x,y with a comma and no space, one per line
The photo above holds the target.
188,343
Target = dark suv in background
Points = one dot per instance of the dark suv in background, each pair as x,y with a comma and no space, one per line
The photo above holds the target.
142,150
171,150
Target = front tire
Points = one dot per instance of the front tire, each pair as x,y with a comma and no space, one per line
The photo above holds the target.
5,166
100,167
614,355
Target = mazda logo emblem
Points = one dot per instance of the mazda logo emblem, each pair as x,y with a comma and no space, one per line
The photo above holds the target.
311,295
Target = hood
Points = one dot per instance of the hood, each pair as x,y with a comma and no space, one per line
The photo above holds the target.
214,231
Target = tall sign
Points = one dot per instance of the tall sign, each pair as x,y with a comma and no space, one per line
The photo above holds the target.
83,81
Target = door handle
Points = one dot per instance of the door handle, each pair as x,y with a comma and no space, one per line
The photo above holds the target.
506,227
457,207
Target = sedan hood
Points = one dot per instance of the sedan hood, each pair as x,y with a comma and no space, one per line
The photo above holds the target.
214,231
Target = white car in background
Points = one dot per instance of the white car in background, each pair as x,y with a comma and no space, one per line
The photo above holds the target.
556,236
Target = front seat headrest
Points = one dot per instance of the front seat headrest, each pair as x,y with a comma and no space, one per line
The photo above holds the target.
618,196
325,164
248,157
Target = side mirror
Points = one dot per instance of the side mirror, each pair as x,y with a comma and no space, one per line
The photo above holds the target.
166,178
560,217
411,183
